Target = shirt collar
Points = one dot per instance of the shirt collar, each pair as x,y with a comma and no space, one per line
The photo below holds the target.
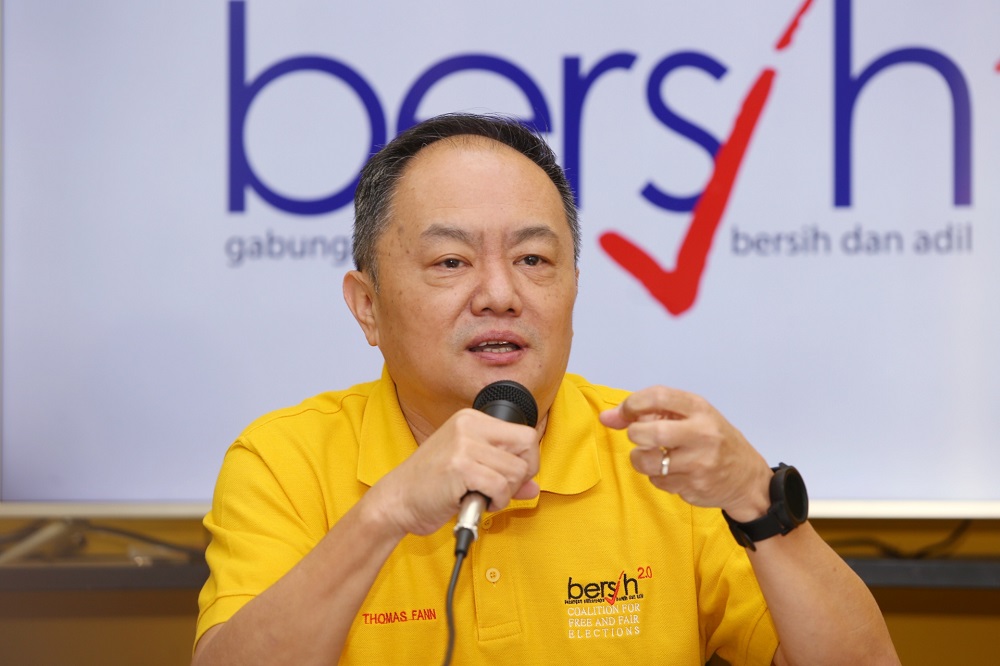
385,440
569,462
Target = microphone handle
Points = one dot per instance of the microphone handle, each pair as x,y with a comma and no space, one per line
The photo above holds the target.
467,525
508,401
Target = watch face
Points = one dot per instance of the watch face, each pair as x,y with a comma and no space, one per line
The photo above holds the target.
796,498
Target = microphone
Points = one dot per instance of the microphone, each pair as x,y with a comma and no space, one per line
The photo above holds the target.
508,401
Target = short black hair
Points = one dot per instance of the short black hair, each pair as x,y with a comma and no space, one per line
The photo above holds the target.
380,175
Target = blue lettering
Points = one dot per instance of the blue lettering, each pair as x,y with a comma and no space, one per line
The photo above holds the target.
575,89
577,85
847,89
541,120
685,128
242,94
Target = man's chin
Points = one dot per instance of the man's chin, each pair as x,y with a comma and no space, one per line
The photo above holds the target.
504,373
473,377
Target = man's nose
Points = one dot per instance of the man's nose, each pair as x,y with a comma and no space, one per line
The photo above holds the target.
497,290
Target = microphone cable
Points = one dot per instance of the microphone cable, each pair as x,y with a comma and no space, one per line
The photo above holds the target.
464,536
511,402
450,606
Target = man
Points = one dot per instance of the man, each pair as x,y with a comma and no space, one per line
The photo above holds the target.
332,521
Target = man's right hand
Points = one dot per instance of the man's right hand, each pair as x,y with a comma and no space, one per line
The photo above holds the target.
470,451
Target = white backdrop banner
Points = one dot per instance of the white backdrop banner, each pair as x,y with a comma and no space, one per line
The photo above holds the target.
788,207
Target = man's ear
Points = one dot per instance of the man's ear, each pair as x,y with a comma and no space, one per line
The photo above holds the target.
360,298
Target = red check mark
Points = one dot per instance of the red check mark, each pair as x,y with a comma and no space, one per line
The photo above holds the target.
614,597
677,290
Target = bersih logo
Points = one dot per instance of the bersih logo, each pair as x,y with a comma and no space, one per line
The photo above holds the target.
677,289
609,591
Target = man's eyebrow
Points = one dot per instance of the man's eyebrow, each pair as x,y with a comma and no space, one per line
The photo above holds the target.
530,233
448,232
444,232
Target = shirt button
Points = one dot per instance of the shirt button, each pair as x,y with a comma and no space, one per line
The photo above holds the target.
487,523
493,574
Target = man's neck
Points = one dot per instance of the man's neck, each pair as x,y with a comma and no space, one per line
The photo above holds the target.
422,428
419,426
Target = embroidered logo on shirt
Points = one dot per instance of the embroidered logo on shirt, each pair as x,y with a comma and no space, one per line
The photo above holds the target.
609,591
613,608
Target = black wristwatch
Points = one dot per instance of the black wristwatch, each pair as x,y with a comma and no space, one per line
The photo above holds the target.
789,509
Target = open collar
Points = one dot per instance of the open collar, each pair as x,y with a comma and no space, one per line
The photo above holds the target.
569,462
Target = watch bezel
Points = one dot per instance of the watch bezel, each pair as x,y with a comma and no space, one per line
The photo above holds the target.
788,497
789,509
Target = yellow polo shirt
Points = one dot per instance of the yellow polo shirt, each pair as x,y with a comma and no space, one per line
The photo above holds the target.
600,567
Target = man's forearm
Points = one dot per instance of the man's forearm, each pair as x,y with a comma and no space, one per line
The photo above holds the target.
823,612
304,617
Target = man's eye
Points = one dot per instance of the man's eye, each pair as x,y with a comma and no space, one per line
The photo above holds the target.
532,260
451,263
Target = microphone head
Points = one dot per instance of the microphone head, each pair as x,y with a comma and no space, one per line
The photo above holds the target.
509,401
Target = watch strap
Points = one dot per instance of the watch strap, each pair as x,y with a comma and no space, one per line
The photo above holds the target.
778,519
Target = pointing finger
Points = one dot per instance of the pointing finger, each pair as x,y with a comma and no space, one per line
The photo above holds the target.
660,401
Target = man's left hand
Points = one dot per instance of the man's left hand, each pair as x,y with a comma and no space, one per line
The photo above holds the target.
710,463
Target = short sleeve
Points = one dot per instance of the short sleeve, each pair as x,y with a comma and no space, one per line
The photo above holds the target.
735,620
258,532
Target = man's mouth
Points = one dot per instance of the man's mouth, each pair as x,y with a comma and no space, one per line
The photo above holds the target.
495,347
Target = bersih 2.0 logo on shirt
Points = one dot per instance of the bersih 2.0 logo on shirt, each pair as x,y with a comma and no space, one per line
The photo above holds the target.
605,609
